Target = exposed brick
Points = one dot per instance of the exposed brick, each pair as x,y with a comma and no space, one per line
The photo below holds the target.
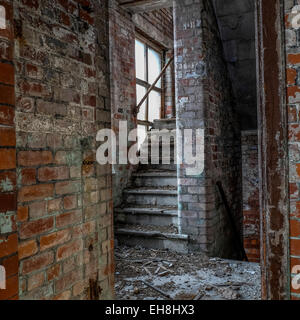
79,288
7,115
51,108
37,262
37,209
27,249
7,73
293,58
53,173
67,187
36,281
32,228
22,214
51,88
295,228
7,159
107,246
69,249
84,229
7,137
28,176
68,218
33,71
54,205
8,245
34,158
34,89
53,239
70,202
295,247
35,192
291,76
7,94
25,104
53,272
67,280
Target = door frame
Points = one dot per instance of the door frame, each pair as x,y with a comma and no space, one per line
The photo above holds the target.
273,149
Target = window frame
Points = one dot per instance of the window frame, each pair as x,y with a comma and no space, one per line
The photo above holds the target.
145,84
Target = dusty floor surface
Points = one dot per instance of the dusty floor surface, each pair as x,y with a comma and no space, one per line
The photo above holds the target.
184,277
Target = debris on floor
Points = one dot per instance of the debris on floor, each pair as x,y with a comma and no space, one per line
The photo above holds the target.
148,274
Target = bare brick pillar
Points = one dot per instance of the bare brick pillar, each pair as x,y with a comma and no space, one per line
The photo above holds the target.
204,101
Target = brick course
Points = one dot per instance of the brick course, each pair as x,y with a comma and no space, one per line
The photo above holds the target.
62,95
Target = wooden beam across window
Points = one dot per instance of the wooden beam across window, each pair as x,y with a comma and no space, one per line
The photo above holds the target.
146,5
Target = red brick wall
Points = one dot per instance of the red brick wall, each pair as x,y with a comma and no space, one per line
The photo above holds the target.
64,197
123,92
251,195
293,100
8,192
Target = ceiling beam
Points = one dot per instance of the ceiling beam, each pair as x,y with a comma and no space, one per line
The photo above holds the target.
146,5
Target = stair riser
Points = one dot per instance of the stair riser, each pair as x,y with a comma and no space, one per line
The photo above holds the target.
158,160
176,245
170,167
146,219
155,182
151,199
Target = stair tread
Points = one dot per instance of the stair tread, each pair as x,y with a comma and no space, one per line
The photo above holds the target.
151,210
155,173
153,190
155,233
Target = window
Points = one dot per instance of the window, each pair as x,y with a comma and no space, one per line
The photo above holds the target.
148,65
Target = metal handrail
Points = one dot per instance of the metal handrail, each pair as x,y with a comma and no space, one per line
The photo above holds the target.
153,85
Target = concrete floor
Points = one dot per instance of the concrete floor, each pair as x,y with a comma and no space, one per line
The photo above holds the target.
183,277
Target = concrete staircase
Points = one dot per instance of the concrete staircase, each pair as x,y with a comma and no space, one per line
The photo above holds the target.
148,216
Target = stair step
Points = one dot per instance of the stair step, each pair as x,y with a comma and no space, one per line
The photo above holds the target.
155,179
156,173
155,191
151,196
147,216
152,166
172,211
164,123
152,239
